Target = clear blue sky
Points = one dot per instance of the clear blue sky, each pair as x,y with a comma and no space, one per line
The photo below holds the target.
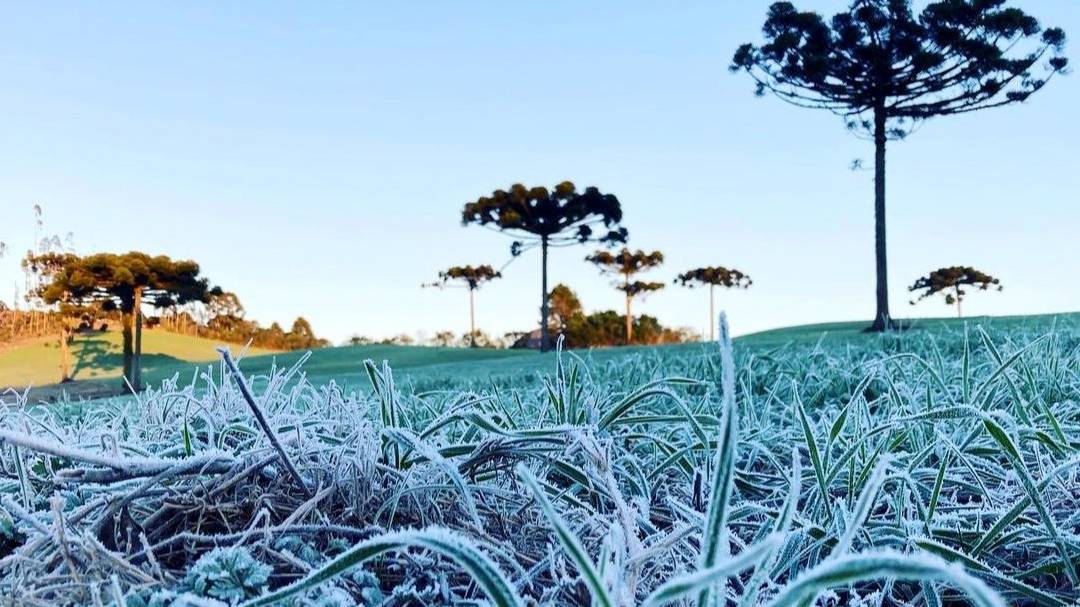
314,157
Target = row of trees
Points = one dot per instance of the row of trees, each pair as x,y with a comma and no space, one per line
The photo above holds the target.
81,289
624,265
880,65
567,319
560,217
884,69
222,318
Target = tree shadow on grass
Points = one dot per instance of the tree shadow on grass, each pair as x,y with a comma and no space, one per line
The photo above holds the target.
96,356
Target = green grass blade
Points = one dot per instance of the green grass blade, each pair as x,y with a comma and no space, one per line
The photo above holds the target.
714,532
855,568
815,456
570,542
687,584
499,590
1013,454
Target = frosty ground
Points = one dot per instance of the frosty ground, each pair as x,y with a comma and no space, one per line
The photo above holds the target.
932,466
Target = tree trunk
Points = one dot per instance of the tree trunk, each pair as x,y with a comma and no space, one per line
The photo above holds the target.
472,319
127,323
882,319
629,321
65,364
136,369
958,313
712,312
544,334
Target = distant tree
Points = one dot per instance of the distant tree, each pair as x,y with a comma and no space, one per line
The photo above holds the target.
359,340
606,328
302,337
123,282
884,69
625,265
444,339
714,276
599,329
273,336
949,281
401,339
225,303
539,217
563,304
478,339
472,278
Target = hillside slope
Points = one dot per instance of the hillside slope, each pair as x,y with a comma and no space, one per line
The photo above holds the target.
167,354
100,356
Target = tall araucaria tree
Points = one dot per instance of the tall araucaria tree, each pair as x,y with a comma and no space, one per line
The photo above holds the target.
472,278
884,69
625,265
713,277
949,282
124,282
548,218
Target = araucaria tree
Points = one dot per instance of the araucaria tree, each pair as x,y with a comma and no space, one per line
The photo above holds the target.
625,265
950,282
884,69
121,282
548,218
713,277
472,278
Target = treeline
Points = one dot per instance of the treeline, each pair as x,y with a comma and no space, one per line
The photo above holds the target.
606,327
135,290
21,325
568,319
231,326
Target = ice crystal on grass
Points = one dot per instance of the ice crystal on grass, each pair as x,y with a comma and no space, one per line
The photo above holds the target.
229,574
880,470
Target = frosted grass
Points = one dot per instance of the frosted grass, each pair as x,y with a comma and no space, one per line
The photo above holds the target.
921,468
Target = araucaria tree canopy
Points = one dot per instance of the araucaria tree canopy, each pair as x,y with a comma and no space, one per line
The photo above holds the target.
472,277
124,282
540,217
626,264
714,276
884,68
950,281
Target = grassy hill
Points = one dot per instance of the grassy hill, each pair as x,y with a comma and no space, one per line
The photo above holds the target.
100,356
97,359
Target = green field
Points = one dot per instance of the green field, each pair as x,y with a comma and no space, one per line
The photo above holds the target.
99,356
96,359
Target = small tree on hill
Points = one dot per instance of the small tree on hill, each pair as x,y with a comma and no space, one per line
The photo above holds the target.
884,69
302,337
539,217
713,277
949,282
626,264
564,304
122,282
472,278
